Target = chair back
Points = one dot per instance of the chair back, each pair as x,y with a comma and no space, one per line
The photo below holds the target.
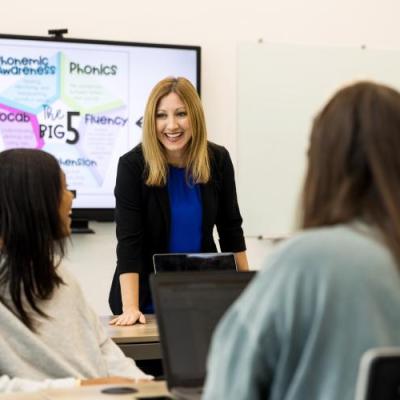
379,375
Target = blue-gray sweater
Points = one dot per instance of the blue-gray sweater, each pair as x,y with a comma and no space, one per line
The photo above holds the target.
298,331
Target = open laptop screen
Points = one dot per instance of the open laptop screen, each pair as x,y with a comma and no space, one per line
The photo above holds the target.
193,262
188,307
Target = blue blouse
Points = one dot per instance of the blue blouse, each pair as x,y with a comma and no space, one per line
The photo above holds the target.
186,217
186,213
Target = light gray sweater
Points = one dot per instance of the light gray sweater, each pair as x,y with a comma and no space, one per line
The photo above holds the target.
71,343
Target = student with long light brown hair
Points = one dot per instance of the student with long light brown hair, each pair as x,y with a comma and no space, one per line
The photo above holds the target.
171,190
332,291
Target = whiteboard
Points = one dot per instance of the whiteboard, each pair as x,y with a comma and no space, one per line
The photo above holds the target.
280,90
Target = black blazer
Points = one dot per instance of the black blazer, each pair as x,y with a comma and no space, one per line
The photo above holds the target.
143,218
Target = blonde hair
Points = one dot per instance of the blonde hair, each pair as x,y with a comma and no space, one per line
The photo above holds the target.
197,158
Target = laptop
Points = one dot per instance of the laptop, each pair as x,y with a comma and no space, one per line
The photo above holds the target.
194,262
188,306
379,374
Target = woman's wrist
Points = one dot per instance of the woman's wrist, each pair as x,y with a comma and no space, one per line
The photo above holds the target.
130,308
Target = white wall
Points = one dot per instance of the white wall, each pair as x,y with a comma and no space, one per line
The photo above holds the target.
217,26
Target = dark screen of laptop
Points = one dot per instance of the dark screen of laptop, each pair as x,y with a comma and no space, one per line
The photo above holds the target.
193,262
384,379
192,312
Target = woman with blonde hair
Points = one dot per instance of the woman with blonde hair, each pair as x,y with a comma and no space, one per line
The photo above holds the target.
332,291
171,190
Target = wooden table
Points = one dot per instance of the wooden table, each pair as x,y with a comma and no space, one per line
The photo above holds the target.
148,389
139,341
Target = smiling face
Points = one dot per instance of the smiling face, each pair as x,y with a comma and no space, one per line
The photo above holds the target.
65,206
173,127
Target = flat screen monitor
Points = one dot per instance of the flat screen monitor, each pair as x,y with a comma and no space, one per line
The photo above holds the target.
83,101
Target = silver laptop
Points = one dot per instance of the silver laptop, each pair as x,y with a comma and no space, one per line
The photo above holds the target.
188,306
194,262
